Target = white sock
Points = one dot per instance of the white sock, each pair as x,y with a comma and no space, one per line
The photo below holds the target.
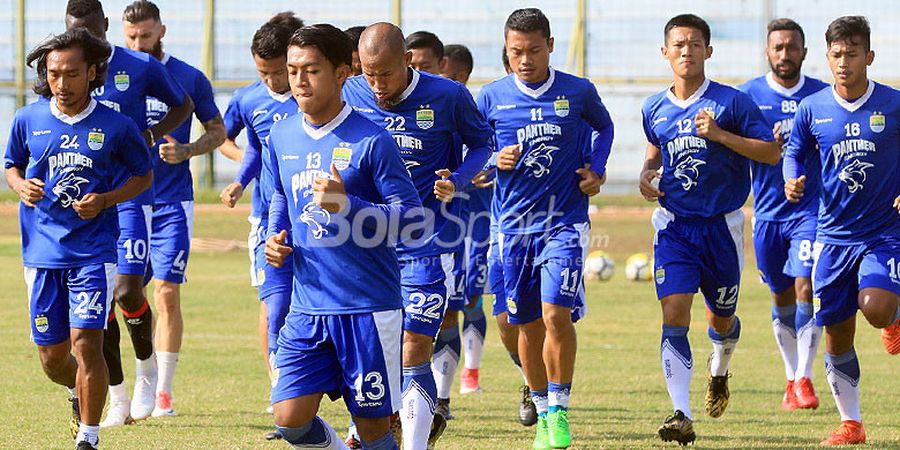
473,347
416,414
842,372
146,367
118,394
443,366
808,338
723,348
678,367
88,433
786,339
166,362
73,393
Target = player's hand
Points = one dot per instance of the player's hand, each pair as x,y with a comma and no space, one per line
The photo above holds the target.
793,189
482,180
650,185
897,203
706,126
509,157
590,182
90,205
330,193
174,152
276,251
30,191
231,194
776,132
443,187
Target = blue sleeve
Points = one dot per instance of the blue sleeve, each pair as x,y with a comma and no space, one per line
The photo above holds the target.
251,166
162,86
476,135
749,120
799,146
648,126
401,200
204,99
278,207
596,115
17,153
132,151
234,120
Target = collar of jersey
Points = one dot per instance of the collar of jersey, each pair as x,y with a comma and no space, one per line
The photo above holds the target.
683,104
319,133
165,58
412,86
280,98
71,120
786,92
535,93
111,53
853,106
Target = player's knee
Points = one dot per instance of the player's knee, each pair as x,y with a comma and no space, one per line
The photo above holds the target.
722,325
451,319
676,314
804,290
129,295
557,319
87,344
54,359
417,348
879,308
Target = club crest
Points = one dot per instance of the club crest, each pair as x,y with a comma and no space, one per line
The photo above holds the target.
95,139
876,122
122,81
340,156
561,107
425,117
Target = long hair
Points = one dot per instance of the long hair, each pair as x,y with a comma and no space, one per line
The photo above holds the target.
96,53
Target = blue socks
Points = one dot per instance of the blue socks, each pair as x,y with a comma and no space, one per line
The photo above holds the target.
804,314
385,442
419,377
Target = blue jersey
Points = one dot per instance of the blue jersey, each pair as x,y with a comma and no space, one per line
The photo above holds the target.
778,105
256,108
344,263
542,192
858,146
172,183
131,78
430,111
73,156
702,178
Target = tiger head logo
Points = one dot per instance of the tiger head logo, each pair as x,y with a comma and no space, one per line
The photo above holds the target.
539,159
688,171
854,174
68,189
316,219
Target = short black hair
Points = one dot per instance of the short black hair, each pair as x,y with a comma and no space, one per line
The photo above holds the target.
425,39
331,41
270,41
288,20
140,11
460,54
688,21
785,24
527,20
849,29
80,9
354,33
96,53
505,59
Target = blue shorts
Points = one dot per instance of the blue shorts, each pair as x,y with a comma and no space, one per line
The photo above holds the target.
542,268
841,271
456,283
704,254
426,283
267,278
134,238
476,282
170,240
62,299
495,274
356,356
784,250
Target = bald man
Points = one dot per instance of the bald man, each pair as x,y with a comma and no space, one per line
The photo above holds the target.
422,112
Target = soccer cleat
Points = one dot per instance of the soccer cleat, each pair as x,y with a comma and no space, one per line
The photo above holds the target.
438,425
677,428
270,409
789,401
117,415
85,445
558,429
276,435
144,397
850,432
468,381
443,408
75,421
806,394
527,412
890,337
353,443
717,394
541,435
163,405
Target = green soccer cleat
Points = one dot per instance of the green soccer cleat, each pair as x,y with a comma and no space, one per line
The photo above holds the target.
558,429
541,435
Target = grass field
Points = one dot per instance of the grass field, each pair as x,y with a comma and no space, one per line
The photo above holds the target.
618,400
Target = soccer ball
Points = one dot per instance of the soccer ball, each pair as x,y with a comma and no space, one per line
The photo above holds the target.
638,267
599,266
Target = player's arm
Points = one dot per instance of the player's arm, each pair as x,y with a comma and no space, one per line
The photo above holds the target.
650,176
595,114
173,118
476,134
251,164
798,148
230,150
277,246
162,86
29,190
174,152
756,141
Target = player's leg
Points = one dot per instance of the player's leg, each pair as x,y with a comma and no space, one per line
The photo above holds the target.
448,345
170,249
879,282
90,298
119,411
799,265
263,330
474,320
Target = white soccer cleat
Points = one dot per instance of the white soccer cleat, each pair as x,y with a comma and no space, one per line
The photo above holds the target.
163,405
270,409
117,415
144,400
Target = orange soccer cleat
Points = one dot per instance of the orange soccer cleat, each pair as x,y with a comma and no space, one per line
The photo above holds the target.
850,432
890,337
806,394
789,401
